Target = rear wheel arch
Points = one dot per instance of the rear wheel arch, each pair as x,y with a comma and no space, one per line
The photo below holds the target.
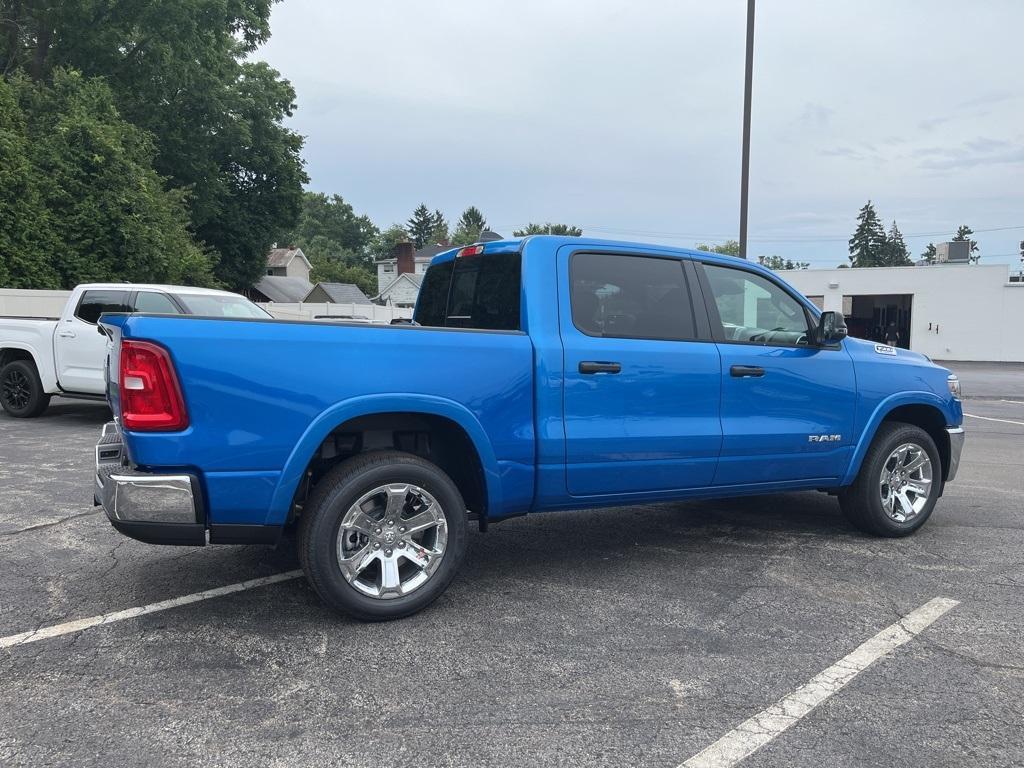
438,439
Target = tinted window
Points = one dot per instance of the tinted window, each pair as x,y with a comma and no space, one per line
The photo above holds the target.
155,303
472,292
433,298
632,297
754,309
95,303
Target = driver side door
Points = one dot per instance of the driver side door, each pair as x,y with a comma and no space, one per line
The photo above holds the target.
787,406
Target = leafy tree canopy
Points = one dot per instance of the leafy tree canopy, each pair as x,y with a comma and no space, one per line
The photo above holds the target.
99,212
328,227
383,246
179,71
548,229
728,248
777,262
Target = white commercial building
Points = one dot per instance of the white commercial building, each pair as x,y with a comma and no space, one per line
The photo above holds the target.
945,311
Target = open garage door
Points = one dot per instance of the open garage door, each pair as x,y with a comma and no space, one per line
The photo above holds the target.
875,317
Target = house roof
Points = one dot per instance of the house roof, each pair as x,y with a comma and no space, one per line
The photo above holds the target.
280,258
342,293
290,290
426,253
416,280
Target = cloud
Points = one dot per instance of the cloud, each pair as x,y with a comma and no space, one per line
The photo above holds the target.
970,154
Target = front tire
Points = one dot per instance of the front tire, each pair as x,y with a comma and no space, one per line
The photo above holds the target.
21,391
382,535
898,484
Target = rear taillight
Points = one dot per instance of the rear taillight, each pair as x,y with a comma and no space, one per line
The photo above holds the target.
150,395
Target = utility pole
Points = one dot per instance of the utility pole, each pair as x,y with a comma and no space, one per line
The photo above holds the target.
745,166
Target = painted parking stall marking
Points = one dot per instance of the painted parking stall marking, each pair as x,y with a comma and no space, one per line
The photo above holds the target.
78,625
989,418
755,732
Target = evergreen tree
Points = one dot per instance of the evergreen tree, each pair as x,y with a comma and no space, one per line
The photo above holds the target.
964,233
421,225
439,234
896,252
469,227
868,244
929,254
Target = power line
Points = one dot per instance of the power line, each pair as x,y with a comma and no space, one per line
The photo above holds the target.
809,239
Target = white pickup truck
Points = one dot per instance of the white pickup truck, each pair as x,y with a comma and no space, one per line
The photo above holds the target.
66,355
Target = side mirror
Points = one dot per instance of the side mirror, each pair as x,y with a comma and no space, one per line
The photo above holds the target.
831,327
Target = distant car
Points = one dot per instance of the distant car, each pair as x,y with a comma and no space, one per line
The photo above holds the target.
344,318
66,355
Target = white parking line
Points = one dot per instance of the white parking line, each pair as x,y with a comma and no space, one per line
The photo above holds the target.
130,613
754,733
989,418
1015,402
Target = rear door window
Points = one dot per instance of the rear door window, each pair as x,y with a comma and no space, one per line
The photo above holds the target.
95,302
480,292
630,297
155,303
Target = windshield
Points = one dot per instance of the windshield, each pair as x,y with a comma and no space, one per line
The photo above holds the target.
213,305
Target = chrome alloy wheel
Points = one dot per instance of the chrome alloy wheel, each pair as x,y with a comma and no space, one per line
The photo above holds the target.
391,540
906,482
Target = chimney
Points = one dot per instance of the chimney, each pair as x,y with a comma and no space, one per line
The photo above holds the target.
406,255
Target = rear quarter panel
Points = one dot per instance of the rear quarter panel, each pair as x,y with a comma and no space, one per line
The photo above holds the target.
36,338
262,395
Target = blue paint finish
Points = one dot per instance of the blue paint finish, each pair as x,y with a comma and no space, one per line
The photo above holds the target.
263,395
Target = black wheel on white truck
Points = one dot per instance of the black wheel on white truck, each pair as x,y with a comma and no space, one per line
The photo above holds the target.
898,484
21,391
382,535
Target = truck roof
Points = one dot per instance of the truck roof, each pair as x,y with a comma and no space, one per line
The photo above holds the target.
155,287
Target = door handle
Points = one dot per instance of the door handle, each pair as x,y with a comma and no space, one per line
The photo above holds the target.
745,371
590,366
66,334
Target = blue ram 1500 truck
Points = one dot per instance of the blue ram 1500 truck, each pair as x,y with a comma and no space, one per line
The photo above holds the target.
544,373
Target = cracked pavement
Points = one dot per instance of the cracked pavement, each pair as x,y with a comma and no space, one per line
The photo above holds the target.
635,635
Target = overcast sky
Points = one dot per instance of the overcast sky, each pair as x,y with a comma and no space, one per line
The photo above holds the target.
625,117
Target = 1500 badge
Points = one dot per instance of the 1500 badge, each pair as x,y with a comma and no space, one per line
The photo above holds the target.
885,349
824,438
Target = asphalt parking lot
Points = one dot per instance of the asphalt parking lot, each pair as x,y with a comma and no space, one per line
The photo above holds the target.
629,636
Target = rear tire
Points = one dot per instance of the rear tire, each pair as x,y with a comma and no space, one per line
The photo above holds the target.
21,391
382,535
898,484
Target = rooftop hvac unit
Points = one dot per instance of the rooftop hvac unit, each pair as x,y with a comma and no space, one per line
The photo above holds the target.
953,252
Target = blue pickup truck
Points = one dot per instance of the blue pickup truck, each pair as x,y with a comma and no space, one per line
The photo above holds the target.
540,374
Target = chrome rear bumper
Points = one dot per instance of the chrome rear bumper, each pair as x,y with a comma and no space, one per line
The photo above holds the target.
956,447
158,509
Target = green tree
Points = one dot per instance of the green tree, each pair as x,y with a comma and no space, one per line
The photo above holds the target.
182,71
469,226
728,248
383,245
421,225
107,215
27,239
439,234
868,244
929,254
548,229
895,253
777,262
964,233
340,270
329,227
